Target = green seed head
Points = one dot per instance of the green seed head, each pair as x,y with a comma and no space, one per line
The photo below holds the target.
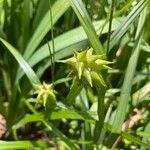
88,66
46,95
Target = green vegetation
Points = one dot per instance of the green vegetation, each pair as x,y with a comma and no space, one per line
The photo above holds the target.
74,74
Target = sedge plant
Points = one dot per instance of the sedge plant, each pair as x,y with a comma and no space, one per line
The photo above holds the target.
46,108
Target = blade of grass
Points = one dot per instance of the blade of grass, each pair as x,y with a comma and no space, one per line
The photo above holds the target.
56,115
52,50
146,139
40,13
84,18
110,23
58,9
25,17
130,71
135,140
124,8
23,64
115,37
4,145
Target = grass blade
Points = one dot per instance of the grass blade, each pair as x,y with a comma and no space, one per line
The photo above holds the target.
146,139
127,84
56,115
84,18
110,22
23,64
135,140
58,10
22,144
115,37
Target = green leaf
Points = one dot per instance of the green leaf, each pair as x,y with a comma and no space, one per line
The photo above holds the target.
84,18
58,10
23,64
135,140
146,138
129,75
116,36
4,145
60,114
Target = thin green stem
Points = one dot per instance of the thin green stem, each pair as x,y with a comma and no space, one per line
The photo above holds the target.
100,111
53,44
110,23
74,91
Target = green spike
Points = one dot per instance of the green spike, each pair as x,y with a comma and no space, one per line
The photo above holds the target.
82,56
102,62
89,52
97,78
79,68
87,75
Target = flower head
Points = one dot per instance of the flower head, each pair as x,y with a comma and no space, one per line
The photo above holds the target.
88,66
46,95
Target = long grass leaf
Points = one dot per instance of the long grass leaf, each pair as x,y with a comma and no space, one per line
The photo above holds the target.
23,64
135,140
56,115
4,145
58,10
110,23
115,37
84,18
130,71
146,139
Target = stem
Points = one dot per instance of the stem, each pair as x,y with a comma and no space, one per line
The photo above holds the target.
53,44
100,111
74,91
110,24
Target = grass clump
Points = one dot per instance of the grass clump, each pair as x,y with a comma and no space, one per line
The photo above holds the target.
101,101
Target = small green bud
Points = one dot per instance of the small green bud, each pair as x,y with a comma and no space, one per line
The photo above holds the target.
46,95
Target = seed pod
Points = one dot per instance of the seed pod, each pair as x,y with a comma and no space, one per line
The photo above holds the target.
46,95
88,66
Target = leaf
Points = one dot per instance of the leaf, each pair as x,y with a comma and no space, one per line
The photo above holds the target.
135,140
146,139
84,18
58,10
60,114
129,75
116,36
23,64
4,145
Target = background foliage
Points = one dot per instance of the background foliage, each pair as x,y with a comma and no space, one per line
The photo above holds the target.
35,35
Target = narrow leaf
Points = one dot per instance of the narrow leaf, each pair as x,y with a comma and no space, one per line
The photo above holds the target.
84,18
58,10
129,75
23,64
